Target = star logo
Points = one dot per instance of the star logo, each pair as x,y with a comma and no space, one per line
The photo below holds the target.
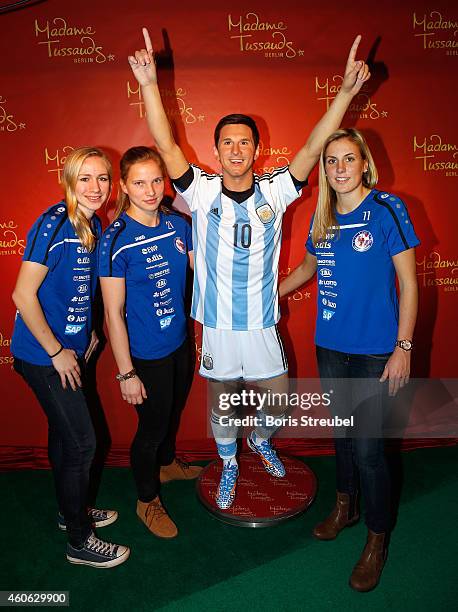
111,57
301,51
200,117
22,126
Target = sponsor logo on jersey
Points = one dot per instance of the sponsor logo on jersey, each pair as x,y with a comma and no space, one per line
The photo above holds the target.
207,362
82,288
384,195
326,262
169,224
179,245
71,330
265,213
323,245
327,283
83,260
161,283
327,314
327,302
165,322
60,209
325,272
142,237
362,241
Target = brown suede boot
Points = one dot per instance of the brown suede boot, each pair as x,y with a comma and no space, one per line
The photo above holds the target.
338,519
179,470
366,573
156,518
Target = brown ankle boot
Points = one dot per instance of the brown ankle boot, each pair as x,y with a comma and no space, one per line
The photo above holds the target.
366,573
338,519
156,518
179,470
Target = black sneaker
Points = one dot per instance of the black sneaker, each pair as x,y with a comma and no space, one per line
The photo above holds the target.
98,553
99,518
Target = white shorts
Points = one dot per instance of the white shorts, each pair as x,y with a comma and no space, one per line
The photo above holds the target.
251,355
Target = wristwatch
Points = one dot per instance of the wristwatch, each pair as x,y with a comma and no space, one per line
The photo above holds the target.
123,377
406,345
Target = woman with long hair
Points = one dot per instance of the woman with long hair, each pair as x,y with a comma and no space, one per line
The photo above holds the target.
53,339
361,239
144,261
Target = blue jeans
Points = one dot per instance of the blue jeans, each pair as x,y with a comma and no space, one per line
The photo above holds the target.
360,457
71,444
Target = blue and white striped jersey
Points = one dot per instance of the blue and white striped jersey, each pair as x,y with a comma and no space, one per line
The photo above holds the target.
237,248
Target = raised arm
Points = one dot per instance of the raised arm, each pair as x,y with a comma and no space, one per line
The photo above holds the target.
299,276
356,73
114,295
31,275
144,69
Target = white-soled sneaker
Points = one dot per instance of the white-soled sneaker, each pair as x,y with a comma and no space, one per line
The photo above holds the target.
98,553
99,518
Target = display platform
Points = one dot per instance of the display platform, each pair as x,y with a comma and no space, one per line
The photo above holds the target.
261,500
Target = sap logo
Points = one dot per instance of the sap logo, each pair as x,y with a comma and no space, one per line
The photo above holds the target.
327,314
137,238
165,322
83,260
325,272
161,283
82,288
73,329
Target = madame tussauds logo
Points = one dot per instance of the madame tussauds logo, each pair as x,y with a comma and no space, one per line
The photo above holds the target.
7,121
10,244
63,40
437,155
437,32
174,103
5,344
257,36
362,106
280,155
433,271
55,160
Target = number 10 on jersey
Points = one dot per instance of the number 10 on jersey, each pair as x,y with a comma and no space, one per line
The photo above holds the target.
242,235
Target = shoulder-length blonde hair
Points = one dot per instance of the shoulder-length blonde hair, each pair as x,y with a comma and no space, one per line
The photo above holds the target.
71,170
325,213
132,156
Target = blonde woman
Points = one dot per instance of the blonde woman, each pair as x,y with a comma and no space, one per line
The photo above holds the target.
144,259
361,240
53,339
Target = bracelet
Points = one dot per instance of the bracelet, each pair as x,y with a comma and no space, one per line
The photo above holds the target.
55,354
123,377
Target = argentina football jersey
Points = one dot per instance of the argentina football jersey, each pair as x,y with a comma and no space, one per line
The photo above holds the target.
237,249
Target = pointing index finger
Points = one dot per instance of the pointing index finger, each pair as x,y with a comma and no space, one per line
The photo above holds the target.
148,45
354,48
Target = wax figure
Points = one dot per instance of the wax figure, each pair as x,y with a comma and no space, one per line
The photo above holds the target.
52,341
144,259
360,240
237,218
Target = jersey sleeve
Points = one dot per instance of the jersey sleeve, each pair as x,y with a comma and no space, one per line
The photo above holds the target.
397,225
309,243
202,190
45,237
279,188
188,237
112,259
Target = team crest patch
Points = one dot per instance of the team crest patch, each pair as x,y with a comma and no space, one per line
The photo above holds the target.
362,241
207,362
179,245
265,213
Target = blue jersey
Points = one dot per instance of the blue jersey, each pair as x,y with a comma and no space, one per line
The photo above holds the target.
237,248
357,299
153,261
68,289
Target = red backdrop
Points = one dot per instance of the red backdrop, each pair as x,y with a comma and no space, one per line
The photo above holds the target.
66,83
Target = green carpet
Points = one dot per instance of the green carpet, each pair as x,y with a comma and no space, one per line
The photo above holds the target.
217,567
